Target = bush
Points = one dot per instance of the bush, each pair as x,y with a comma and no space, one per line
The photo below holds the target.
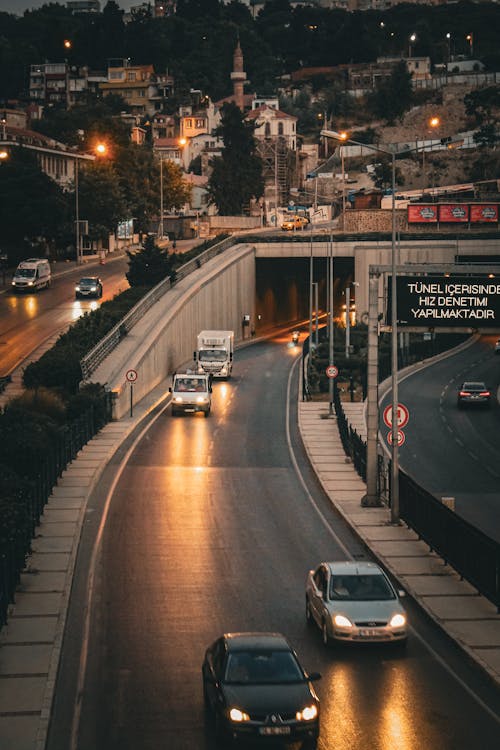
25,439
41,401
90,395
16,523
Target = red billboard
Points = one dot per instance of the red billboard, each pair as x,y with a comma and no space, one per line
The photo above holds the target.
420,213
484,212
454,212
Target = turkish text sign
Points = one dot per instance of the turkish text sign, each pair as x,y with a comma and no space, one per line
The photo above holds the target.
444,301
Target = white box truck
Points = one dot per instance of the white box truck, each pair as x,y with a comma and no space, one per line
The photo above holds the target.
214,353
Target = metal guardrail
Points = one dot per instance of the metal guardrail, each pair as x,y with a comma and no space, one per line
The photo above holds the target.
105,346
473,554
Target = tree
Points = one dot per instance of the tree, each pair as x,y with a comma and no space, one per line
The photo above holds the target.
101,198
32,206
382,175
176,192
237,174
149,266
394,96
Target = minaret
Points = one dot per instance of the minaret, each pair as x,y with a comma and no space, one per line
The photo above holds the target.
238,76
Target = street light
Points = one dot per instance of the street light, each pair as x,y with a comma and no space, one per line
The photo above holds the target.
371,498
100,150
412,39
433,123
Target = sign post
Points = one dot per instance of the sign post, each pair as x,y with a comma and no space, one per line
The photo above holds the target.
131,376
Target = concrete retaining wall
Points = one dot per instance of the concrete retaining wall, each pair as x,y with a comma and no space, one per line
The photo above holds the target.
214,297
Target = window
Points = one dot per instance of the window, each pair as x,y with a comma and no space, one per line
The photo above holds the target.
131,75
200,123
267,130
189,122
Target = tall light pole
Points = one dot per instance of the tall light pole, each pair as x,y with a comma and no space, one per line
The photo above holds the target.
161,199
411,40
371,498
77,214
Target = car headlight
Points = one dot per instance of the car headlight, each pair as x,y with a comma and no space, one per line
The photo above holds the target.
30,283
178,399
397,621
341,621
235,714
201,400
93,289
307,714
77,288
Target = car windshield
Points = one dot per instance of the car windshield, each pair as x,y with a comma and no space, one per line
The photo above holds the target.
474,387
92,282
26,273
262,667
190,384
360,588
212,355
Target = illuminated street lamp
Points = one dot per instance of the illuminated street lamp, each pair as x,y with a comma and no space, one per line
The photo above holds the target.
100,150
433,123
470,39
371,498
411,41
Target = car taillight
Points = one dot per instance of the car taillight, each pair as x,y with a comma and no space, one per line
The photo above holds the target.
464,393
484,393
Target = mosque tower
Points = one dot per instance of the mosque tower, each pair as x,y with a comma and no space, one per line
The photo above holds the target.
238,77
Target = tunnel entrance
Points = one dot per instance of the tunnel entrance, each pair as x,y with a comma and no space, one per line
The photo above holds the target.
282,288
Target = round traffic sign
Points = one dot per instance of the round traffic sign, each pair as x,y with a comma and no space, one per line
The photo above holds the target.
131,376
401,437
332,371
403,415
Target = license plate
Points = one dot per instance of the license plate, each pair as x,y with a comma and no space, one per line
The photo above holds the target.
368,632
274,730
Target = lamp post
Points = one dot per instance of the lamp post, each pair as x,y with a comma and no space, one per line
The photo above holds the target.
161,199
371,498
433,122
412,39
100,150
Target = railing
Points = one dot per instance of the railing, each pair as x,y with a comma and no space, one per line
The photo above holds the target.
473,554
98,354
74,436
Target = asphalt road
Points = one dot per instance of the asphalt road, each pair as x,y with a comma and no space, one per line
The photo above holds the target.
209,528
27,320
455,452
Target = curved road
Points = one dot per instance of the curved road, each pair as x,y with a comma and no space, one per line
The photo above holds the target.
455,452
211,526
27,320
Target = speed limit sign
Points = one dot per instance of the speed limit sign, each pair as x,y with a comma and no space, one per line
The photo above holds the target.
131,376
332,371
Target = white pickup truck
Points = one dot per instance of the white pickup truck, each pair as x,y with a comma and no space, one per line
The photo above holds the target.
191,393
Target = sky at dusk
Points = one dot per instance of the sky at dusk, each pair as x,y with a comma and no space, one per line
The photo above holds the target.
19,6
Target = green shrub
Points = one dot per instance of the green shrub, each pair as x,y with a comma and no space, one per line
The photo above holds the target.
25,439
42,401
15,516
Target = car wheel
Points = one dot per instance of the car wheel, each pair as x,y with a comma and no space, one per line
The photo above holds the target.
324,634
174,412
309,745
207,413
223,741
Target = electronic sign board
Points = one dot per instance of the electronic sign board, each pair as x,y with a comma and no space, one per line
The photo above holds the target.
447,301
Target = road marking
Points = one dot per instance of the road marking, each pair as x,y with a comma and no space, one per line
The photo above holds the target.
349,556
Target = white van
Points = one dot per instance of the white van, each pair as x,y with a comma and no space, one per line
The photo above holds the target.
31,274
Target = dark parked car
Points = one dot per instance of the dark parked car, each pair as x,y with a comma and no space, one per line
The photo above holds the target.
473,393
254,687
90,286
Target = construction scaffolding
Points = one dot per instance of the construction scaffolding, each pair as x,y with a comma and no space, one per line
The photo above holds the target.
279,168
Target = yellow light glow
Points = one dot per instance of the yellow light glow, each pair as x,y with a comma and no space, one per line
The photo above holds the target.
434,122
67,43
307,714
4,155
344,136
182,141
101,149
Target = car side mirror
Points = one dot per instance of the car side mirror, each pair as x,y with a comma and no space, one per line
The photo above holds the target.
314,676
170,389
194,356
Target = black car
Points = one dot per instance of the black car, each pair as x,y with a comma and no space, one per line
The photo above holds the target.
254,687
473,393
90,286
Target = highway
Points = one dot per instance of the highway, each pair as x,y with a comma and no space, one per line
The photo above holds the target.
27,320
201,526
455,452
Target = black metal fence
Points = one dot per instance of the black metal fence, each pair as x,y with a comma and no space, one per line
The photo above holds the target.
474,555
70,440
